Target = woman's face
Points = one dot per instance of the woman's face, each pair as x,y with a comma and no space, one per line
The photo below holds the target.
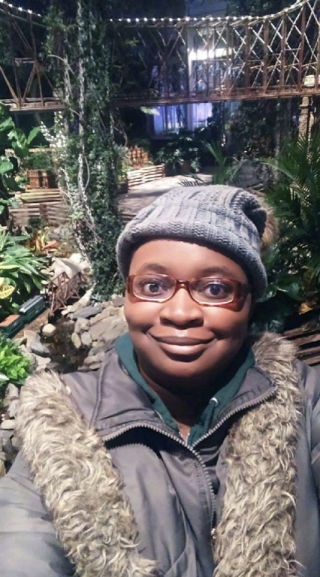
221,329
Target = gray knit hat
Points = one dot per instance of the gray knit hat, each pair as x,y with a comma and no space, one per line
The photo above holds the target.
221,217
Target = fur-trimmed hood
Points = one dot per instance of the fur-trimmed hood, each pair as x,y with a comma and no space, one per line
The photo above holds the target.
84,493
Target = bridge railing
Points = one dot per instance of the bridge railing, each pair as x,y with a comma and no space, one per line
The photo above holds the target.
193,60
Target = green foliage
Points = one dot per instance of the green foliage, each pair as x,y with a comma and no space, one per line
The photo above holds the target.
13,365
226,168
91,162
184,147
19,269
293,265
296,201
41,160
283,297
11,138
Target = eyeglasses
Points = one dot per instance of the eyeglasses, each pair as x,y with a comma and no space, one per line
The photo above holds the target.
210,291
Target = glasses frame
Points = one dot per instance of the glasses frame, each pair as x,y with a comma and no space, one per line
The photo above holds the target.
241,290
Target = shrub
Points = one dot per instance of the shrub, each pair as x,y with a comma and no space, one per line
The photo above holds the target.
14,367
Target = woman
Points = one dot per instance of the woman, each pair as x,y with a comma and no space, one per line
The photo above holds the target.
191,453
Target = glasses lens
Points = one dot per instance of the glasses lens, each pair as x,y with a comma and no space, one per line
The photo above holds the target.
212,291
153,287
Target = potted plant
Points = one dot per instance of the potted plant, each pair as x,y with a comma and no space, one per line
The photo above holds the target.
182,154
41,171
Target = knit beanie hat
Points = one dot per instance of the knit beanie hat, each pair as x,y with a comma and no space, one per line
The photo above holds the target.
219,217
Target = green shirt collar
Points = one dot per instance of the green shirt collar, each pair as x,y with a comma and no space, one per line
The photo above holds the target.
232,383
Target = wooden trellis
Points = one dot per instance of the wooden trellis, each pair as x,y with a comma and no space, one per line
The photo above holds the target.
24,82
206,59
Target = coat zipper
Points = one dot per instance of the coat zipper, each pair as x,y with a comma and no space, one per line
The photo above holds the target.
248,405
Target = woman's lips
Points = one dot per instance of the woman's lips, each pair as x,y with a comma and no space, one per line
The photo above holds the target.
181,345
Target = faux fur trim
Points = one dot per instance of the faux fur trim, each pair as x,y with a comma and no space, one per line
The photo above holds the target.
71,468
255,536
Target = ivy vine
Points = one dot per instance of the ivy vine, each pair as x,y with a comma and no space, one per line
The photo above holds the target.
79,55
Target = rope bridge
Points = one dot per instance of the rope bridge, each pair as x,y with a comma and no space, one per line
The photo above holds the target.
213,59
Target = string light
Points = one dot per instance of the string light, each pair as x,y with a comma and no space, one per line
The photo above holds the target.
128,19
145,19
20,9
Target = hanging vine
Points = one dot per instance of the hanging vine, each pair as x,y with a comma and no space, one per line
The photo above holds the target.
78,49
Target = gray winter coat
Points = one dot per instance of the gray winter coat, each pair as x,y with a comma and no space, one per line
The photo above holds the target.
115,493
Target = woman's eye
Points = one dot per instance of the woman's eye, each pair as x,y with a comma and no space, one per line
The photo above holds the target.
152,287
217,290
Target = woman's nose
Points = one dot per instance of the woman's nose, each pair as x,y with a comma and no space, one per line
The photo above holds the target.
181,309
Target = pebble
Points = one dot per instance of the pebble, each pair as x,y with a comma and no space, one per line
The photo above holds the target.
48,330
76,340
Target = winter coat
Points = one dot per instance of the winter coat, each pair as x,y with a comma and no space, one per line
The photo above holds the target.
102,487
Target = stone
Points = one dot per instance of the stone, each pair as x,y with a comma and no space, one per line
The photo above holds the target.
76,340
118,301
12,393
42,364
8,424
40,349
32,358
108,330
93,367
31,336
64,265
100,347
20,341
94,359
78,259
106,313
48,330
88,312
81,303
12,409
5,436
81,325
86,339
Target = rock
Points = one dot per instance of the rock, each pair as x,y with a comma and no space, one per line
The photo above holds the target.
48,330
12,393
64,265
100,347
118,301
12,409
106,313
108,330
93,367
8,424
88,312
42,364
53,366
83,302
86,339
81,325
32,358
76,340
94,359
31,336
78,259
5,436
20,341
40,349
